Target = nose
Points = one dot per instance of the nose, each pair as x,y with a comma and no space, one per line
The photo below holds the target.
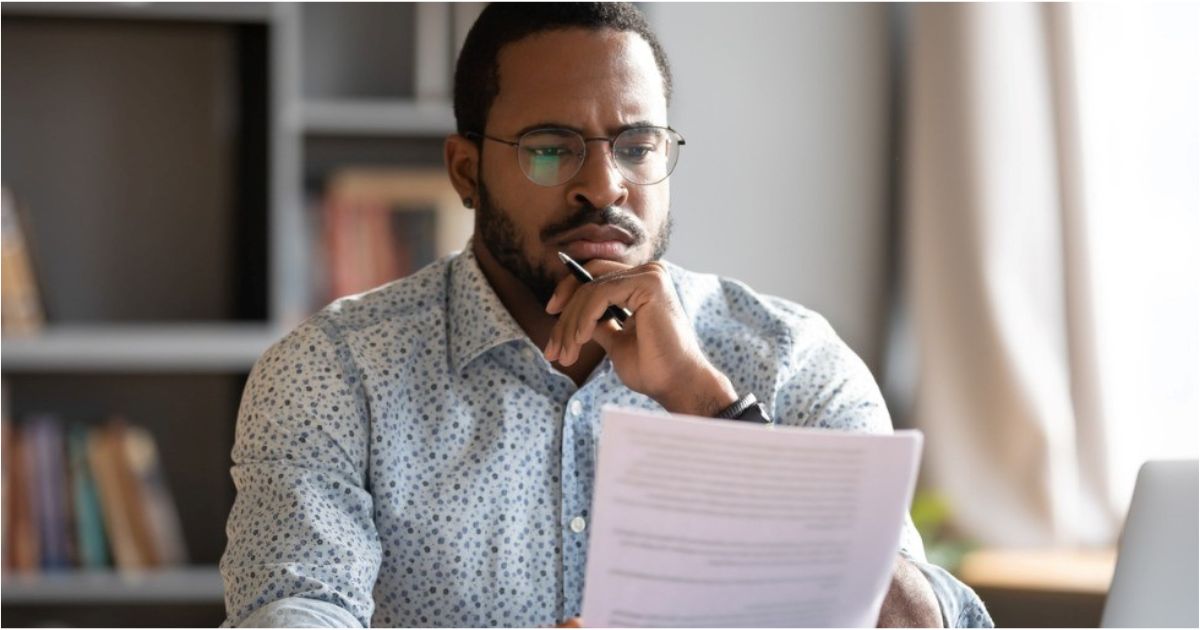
598,181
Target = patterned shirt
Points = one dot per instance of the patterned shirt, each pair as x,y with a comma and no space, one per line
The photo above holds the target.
407,456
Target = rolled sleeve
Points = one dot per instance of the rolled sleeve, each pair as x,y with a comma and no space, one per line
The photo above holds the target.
298,612
302,525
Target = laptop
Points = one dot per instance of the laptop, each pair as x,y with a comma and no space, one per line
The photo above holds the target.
1156,579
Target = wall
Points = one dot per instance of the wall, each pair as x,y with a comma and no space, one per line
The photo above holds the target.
783,183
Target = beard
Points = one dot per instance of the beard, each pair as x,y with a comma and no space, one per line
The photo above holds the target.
494,225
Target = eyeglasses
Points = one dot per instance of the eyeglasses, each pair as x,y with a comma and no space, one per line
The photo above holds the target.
552,156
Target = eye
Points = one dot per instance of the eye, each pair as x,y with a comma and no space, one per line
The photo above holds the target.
549,152
635,153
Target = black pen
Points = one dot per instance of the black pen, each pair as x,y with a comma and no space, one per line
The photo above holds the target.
582,275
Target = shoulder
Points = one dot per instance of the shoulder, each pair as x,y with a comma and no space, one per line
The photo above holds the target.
782,351
717,304
415,295
401,305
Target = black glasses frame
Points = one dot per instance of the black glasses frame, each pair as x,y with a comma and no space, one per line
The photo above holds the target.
583,158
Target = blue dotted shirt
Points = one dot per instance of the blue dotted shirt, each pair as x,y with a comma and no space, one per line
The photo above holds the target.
407,457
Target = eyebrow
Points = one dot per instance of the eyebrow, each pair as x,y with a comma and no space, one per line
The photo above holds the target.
558,125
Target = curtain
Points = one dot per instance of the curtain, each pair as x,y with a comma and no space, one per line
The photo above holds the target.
1008,253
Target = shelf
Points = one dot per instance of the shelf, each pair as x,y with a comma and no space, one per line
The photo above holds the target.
184,11
194,584
184,347
376,117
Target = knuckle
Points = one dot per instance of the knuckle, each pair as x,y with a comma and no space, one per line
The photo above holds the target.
658,271
657,267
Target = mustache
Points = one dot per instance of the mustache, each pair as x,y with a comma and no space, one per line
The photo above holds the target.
589,214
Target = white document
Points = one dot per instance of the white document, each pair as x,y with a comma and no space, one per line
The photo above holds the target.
712,523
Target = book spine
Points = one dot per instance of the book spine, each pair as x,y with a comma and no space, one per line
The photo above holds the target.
89,524
25,532
6,512
166,533
135,502
112,504
50,483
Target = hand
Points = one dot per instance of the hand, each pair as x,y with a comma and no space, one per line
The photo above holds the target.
656,352
573,622
910,602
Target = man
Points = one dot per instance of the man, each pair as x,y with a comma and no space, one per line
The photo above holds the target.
423,453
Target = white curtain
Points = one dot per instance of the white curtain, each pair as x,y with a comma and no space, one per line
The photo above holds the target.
1031,307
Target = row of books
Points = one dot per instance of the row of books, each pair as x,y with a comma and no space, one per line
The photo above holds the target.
80,496
373,225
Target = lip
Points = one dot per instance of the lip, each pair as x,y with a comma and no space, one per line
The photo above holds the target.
598,234
583,250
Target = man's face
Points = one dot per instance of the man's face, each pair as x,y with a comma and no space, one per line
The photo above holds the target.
598,83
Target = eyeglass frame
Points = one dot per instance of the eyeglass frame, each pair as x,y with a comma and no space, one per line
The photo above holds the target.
611,153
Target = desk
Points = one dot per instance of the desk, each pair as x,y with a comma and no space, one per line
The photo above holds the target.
1047,588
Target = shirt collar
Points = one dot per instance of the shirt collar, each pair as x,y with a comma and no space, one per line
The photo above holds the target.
478,319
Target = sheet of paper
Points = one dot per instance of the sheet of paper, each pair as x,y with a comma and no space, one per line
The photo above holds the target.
710,523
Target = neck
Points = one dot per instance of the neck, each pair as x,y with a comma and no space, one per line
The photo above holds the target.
529,313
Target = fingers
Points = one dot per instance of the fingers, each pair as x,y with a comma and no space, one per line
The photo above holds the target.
579,322
568,285
562,294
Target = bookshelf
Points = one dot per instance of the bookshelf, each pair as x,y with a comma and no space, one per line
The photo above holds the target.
377,118
193,584
191,347
171,251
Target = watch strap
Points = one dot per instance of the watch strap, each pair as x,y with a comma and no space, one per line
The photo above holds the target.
739,407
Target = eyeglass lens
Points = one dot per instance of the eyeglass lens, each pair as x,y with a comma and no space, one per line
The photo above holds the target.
643,155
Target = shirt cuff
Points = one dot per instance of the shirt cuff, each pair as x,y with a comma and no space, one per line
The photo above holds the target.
298,612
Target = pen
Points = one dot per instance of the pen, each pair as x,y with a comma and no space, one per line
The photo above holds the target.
582,275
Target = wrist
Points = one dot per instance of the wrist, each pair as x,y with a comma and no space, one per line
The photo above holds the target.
704,394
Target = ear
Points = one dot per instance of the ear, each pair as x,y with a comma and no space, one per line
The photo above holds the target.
462,162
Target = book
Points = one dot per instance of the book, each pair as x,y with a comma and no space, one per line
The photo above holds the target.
115,508
135,500
23,533
165,530
6,510
89,523
48,471
21,310
5,479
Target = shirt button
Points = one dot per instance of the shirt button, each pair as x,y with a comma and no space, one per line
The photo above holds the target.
578,524
575,407
527,354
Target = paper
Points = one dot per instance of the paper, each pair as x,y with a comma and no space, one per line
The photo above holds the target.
711,523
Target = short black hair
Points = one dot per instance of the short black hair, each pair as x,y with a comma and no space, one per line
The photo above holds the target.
477,74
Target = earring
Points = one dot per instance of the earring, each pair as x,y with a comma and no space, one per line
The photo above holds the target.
467,203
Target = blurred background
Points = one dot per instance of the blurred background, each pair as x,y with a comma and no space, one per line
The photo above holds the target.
996,206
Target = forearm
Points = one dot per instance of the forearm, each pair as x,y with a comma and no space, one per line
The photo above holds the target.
960,606
910,601
704,392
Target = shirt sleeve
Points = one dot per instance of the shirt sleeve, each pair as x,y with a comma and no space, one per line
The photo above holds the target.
826,385
302,547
